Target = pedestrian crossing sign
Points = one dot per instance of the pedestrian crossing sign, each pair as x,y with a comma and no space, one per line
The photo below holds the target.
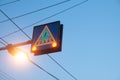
47,38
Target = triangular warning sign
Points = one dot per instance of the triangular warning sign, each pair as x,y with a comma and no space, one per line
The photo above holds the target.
45,37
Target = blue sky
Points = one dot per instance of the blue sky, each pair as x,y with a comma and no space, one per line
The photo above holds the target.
91,40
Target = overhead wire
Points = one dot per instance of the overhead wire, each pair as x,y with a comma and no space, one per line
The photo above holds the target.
14,24
6,76
51,56
2,43
35,65
36,10
29,38
62,67
39,68
43,69
53,16
33,12
9,2
45,18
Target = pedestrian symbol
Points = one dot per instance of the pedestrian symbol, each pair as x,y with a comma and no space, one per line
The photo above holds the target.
45,37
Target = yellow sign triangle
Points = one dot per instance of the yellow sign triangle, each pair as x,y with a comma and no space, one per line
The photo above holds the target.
45,37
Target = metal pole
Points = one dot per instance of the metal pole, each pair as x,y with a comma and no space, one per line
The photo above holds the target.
17,45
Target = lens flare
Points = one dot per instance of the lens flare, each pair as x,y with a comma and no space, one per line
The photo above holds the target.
21,57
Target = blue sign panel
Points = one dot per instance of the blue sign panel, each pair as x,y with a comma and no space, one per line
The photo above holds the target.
47,38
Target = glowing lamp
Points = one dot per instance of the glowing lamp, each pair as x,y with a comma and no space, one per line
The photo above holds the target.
54,44
34,48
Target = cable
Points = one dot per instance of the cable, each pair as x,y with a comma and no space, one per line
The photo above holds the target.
49,55
30,38
46,18
33,64
9,2
5,75
36,11
15,24
43,69
4,41
10,33
61,67
36,66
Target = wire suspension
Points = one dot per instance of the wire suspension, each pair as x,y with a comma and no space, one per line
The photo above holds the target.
5,75
43,20
29,59
62,67
15,24
46,18
43,69
35,11
9,3
2,43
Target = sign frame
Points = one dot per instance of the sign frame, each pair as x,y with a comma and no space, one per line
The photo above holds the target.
57,33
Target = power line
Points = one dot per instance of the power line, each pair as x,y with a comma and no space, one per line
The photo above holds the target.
52,57
37,64
29,38
36,11
38,67
62,67
50,17
15,24
4,41
9,2
5,75
10,33
43,69
46,18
